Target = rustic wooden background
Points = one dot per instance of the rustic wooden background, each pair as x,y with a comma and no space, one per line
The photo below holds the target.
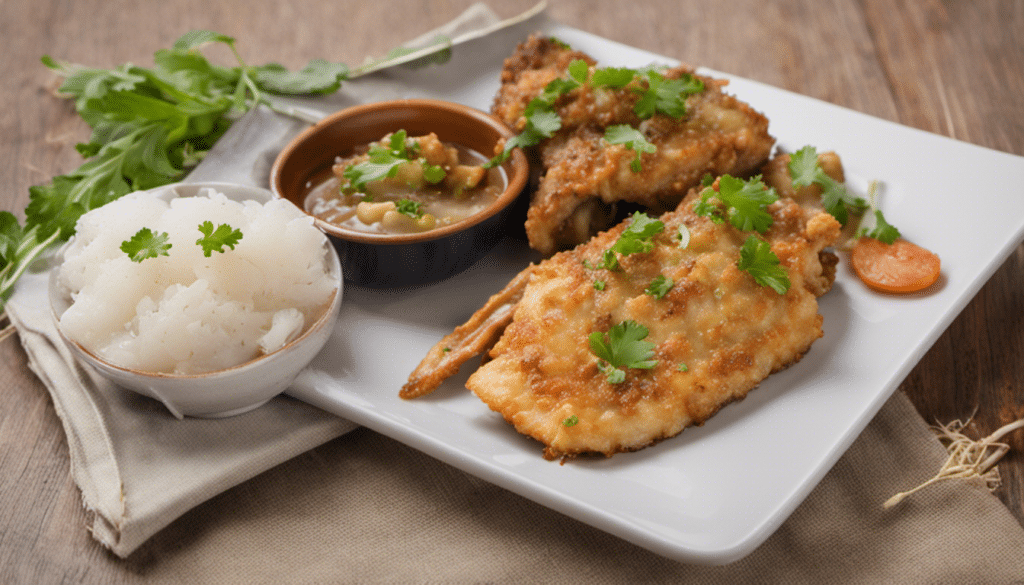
950,67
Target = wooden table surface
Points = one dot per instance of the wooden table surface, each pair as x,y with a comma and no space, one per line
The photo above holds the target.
951,68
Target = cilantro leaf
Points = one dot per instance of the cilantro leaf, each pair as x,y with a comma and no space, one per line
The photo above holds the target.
145,244
542,121
637,237
571,421
666,96
883,231
706,208
578,71
660,286
745,203
433,174
612,77
758,259
639,234
632,139
318,77
409,207
804,170
383,163
803,167
624,346
214,240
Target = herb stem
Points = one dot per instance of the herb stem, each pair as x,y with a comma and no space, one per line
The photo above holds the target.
7,280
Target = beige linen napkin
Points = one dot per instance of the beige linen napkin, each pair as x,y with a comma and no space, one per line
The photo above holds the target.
366,509
362,508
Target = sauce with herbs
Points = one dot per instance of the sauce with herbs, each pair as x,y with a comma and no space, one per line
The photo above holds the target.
404,185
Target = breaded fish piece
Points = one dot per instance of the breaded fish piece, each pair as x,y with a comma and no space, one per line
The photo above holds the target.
584,178
716,333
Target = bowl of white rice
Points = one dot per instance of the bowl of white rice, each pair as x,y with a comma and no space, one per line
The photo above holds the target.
208,297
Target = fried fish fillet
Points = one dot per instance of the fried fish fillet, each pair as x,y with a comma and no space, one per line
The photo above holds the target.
716,333
584,177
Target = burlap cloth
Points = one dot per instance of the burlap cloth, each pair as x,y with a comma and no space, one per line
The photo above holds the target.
290,494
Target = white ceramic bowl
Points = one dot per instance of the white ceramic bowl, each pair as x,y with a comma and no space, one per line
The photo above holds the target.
225,392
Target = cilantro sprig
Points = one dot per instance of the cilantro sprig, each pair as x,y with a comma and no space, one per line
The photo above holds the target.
666,96
875,225
623,346
659,286
757,258
637,237
882,231
835,198
384,162
146,244
214,239
743,202
632,139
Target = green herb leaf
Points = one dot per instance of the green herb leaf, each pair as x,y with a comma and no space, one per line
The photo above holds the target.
666,96
541,122
384,162
409,207
637,237
571,421
578,71
745,203
318,77
145,244
214,240
632,139
612,77
758,259
196,38
599,284
804,170
883,230
624,346
660,286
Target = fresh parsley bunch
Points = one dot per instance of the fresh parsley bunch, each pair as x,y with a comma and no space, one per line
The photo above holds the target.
149,125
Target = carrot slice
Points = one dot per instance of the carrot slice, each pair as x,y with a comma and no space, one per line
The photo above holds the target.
900,267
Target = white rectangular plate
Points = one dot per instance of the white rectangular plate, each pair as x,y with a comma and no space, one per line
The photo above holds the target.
713,493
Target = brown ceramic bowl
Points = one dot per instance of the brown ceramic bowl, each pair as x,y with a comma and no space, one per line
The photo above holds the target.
394,260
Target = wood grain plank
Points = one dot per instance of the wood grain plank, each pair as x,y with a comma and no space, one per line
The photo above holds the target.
954,68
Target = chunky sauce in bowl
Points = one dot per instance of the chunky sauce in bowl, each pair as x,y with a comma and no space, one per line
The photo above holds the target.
402,185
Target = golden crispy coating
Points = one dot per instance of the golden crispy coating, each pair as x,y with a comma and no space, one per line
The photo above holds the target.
584,177
717,333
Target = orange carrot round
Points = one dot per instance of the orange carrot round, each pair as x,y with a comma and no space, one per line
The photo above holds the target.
900,267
